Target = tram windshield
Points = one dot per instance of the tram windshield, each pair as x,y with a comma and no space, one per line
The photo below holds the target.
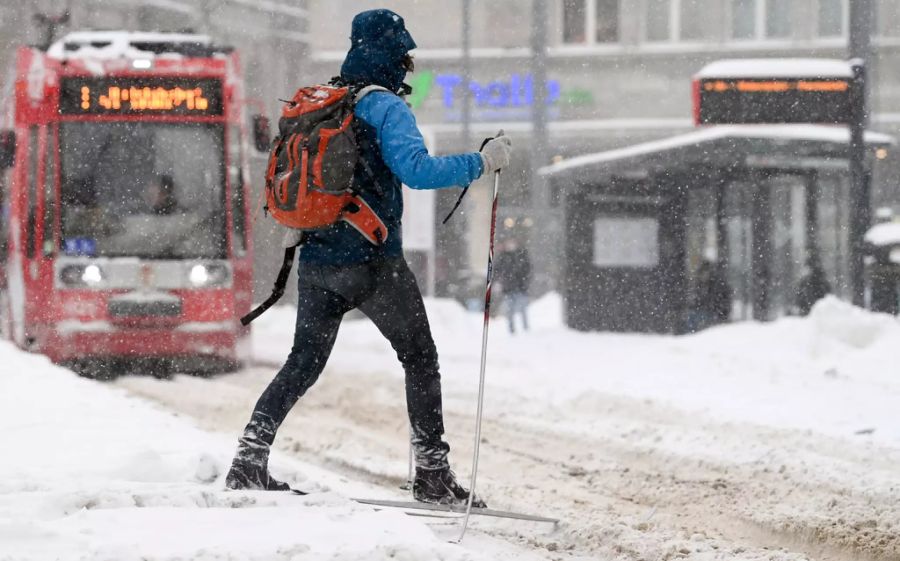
141,189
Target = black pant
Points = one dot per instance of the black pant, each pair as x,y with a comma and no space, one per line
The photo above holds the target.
386,291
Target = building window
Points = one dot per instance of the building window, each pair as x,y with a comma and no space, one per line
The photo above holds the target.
660,21
888,18
678,20
606,18
590,21
743,19
695,21
574,21
832,18
778,18
760,19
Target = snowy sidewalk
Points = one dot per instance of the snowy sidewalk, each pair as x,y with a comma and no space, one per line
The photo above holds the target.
89,473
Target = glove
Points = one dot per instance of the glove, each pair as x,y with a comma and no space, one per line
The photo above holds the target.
495,153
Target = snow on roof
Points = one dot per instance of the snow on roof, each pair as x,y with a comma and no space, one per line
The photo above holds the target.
777,68
106,45
887,233
821,133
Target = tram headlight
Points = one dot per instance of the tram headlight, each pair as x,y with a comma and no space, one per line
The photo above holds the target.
92,275
209,274
75,276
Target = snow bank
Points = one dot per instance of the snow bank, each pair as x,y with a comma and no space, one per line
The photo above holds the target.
887,233
830,373
837,322
88,473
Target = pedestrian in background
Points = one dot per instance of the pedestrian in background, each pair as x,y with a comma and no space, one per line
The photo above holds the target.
514,273
813,286
712,297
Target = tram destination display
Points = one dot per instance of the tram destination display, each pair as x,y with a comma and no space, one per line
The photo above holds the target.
140,96
774,101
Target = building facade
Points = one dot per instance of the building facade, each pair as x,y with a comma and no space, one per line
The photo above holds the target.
619,73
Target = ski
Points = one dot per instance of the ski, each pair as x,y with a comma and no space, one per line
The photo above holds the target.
458,509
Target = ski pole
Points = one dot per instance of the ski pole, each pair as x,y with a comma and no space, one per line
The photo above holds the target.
484,340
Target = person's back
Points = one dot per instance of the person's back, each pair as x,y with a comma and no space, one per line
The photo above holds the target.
813,287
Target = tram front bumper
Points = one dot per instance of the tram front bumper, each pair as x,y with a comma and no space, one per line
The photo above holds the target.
73,340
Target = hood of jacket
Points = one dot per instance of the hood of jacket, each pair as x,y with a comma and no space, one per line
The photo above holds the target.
379,41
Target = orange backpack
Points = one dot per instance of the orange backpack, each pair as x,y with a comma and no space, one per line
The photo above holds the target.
309,178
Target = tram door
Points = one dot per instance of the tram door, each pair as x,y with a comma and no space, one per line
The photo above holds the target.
629,273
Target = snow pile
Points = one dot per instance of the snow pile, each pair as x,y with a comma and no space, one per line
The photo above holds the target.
887,233
89,473
834,321
777,68
108,45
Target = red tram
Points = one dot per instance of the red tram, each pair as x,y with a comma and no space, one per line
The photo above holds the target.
124,224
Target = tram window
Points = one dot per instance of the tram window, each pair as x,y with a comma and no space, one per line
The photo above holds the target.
32,191
236,179
113,175
49,226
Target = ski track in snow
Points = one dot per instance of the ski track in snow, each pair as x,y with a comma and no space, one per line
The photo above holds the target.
748,442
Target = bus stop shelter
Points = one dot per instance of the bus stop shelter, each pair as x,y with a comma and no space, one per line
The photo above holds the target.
755,204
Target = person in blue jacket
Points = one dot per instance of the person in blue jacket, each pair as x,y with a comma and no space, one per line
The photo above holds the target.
340,270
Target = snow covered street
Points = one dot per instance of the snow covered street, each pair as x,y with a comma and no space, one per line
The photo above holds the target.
90,473
750,441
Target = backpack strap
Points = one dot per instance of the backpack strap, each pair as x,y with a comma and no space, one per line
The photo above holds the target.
360,215
366,91
358,95
278,289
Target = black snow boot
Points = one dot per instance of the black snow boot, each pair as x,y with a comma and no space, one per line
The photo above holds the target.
250,467
439,486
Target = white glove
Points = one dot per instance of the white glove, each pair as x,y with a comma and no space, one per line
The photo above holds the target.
495,153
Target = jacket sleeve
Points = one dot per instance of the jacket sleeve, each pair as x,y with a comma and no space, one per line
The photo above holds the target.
403,147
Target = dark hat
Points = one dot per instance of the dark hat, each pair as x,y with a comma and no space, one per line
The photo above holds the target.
382,28
379,44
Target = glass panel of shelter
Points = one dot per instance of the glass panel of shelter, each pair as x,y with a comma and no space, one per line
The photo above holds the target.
738,246
833,221
788,235
767,244
708,301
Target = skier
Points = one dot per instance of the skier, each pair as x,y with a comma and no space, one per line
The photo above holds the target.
339,270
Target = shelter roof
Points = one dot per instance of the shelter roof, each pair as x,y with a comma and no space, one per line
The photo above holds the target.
722,146
777,68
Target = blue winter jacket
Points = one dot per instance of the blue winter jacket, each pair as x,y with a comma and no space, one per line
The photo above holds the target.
392,145
389,143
